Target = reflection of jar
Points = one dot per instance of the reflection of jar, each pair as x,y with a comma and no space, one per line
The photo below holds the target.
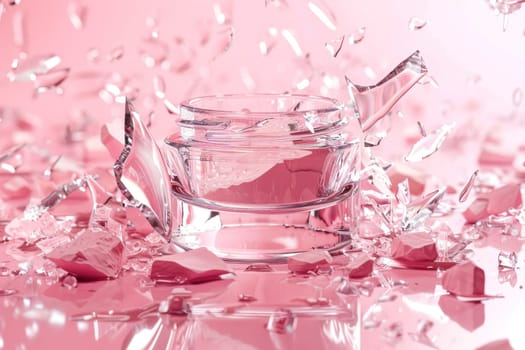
259,177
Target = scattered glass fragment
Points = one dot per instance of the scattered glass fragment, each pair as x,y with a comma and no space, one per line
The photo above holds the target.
335,46
416,23
292,41
93,55
170,107
53,79
7,292
465,191
174,305
386,298
115,54
325,15
357,36
422,130
282,322
366,288
18,29
360,266
27,68
259,267
430,144
372,103
223,11
77,14
159,86
246,298
517,97
403,192
70,282
267,45
153,52
507,260
393,332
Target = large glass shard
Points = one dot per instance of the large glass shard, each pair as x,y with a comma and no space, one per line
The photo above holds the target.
141,173
372,103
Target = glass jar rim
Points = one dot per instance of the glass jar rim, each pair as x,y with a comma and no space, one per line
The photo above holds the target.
190,105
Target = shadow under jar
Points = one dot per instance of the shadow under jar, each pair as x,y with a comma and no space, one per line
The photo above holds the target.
260,177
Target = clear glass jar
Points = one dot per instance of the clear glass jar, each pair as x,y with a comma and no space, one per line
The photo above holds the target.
259,177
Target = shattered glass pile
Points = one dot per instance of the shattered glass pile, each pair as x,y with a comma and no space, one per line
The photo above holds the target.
85,210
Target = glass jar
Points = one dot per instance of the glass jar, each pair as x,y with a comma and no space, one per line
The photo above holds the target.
259,177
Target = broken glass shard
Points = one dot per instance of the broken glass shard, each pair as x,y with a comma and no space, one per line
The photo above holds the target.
222,41
422,130
507,260
430,144
70,282
357,36
372,103
44,82
153,52
416,23
159,86
335,46
18,29
324,14
141,174
245,298
116,54
517,97
27,68
267,45
223,11
77,14
259,267
292,41
465,191
282,322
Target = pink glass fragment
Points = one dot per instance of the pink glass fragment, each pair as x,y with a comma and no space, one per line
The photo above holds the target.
92,255
495,202
360,266
416,178
141,174
414,247
372,103
311,261
465,279
500,344
194,266
324,14
416,23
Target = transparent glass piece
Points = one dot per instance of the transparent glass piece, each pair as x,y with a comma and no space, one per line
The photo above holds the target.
335,46
259,267
507,260
465,191
419,211
292,41
141,174
116,54
357,36
223,11
70,282
403,192
26,68
517,97
153,52
18,29
222,41
282,322
269,42
77,14
422,130
324,14
159,86
44,82
372,103
416,23
430,144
